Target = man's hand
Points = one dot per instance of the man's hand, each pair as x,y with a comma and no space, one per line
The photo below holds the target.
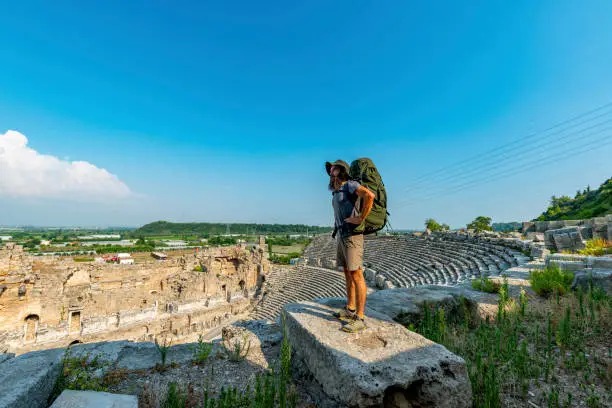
354,220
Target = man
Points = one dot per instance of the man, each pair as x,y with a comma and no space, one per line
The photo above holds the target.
352,203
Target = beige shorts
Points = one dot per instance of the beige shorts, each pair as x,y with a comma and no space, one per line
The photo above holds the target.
350,252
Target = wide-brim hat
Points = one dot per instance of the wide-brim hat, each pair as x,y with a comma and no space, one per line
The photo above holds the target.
328,166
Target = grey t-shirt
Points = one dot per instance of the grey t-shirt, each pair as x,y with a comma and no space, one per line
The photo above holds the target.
345,203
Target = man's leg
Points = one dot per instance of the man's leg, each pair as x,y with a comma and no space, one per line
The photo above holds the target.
351,301
350,286
354,263
361,291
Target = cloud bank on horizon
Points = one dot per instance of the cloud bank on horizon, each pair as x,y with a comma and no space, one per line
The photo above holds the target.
25,173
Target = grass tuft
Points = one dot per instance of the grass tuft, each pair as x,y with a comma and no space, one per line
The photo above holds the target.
551,280
486,284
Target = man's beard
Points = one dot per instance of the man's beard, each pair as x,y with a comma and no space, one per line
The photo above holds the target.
335,183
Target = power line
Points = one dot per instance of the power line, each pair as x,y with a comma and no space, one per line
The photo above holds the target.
512,171
507,155
502,147
509,159
607,141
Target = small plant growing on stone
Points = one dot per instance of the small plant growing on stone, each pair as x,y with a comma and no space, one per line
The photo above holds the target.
79,373
486,284
523,301
163,351
201,351
239,350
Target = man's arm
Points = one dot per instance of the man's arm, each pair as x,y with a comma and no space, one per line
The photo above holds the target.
367,200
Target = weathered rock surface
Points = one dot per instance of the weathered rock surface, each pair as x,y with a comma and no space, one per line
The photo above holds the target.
6,356
539,252
406,304
385,365
563,239
27,380
597,277
92,399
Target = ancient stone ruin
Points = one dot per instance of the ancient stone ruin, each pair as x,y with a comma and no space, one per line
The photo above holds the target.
47,303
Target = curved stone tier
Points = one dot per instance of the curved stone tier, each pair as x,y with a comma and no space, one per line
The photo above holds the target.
400,261
284,286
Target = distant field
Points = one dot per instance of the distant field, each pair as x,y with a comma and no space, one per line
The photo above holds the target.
283,250
171,237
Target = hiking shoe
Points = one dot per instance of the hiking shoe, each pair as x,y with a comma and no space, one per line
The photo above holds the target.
344,314
355,325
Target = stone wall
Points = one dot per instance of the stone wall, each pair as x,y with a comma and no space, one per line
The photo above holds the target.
48,303
586,229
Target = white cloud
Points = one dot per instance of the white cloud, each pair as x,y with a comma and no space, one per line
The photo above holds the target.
26,173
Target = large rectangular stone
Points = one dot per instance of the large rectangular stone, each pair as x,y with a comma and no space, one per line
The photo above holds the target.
384,365
562,239
93,399
27,381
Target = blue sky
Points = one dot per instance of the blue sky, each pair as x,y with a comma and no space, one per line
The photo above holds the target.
226,111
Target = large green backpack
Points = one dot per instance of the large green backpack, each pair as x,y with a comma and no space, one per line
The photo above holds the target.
364,171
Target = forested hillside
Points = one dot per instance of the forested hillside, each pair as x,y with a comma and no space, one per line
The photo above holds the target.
585,204
205,228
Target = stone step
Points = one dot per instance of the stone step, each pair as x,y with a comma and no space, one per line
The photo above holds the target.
386,364
93,399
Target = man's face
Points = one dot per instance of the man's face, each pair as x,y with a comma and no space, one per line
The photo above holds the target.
334,180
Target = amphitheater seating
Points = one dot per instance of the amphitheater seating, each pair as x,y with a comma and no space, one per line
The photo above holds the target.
285,285
390,261
408,261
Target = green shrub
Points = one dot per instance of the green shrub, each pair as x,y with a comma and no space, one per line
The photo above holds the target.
551,280
79,373
198,268
486,285
163,351
239,350
201,351
597,247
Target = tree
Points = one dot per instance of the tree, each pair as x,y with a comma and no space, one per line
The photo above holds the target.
481,223
434,226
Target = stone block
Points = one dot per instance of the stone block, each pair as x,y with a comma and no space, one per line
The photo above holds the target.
370,275
528,227
569,238
93,399
107,351
6,356
385,365
27,381
587,232
571,266
406,304
538,252
139,356
541,226
548,240
602,262
556,224
380,282
597,277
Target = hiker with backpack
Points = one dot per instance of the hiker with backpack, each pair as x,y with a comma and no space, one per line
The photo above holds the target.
359,203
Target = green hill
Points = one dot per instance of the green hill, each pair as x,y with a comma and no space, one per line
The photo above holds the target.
585,204
158,228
